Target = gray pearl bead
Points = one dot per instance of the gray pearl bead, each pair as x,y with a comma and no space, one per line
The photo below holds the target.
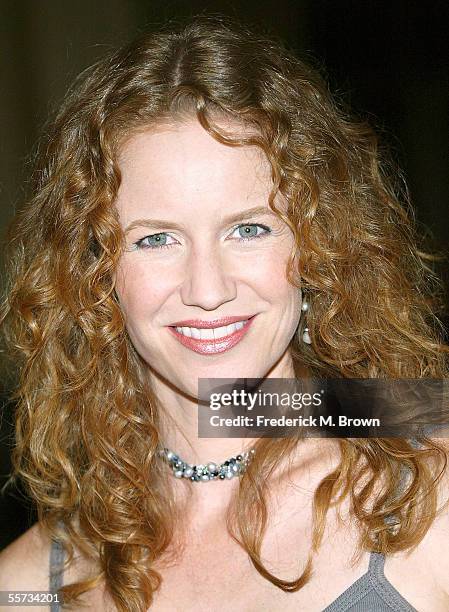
204,477
178,473
305,306
229,474
211,467
235,468
188,472
170,455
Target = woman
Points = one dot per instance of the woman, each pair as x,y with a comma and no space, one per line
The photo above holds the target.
203,209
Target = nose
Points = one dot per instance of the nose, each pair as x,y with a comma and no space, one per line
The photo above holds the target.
208,282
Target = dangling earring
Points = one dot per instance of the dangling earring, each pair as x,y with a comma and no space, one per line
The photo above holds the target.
305,332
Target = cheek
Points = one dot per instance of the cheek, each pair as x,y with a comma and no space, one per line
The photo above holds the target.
143,294
271,281
136,290
270,275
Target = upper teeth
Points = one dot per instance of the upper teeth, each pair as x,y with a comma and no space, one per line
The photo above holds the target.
210,333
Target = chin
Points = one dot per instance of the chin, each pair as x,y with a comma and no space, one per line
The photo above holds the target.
189,385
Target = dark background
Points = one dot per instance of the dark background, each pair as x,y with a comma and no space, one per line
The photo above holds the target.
387,59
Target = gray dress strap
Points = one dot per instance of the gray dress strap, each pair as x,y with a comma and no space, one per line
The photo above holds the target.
371,592
383,587
56,571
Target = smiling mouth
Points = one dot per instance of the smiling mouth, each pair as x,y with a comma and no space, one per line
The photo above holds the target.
211,333
211,340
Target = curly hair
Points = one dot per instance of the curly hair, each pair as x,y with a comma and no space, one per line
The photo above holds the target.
88,425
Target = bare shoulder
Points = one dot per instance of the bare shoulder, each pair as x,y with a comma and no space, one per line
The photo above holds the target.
436,541
24,564
437,546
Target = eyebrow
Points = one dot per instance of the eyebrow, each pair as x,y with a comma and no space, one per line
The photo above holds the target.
166,224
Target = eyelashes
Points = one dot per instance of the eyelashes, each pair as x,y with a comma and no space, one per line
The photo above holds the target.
158,239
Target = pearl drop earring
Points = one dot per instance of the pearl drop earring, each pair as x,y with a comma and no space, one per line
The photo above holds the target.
305,333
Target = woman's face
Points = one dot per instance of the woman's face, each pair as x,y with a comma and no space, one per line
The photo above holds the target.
198,258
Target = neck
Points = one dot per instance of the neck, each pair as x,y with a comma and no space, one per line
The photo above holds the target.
180,423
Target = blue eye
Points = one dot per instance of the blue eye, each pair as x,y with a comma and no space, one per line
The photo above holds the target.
248,231
155,241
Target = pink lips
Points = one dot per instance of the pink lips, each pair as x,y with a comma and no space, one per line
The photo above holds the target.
211,347
201,324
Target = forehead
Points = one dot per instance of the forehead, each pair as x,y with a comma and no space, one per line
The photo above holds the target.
181,167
